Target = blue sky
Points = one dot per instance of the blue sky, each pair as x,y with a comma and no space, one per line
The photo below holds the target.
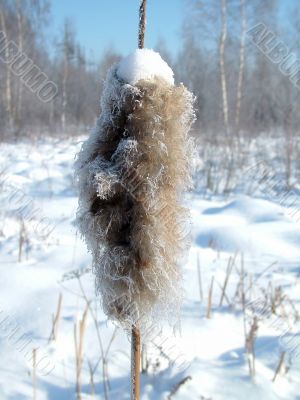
102,24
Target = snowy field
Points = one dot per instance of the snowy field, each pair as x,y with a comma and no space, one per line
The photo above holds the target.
239,334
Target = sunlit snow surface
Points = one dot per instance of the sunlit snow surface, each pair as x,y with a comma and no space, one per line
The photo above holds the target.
258,233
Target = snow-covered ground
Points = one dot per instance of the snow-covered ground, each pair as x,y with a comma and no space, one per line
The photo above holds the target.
248,246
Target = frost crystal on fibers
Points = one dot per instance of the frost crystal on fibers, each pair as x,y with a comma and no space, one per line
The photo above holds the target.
131,174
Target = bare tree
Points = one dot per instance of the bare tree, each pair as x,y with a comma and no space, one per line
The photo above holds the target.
241,65
68,54
8,85
223,36
21,47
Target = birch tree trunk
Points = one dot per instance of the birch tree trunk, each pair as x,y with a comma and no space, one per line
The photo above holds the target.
241,66
222,64
21,47
66,57
64,92
8,89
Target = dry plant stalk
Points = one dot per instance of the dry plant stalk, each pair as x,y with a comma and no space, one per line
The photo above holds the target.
178,385
279,366
251,333
199,278
55,320
34,351
79,331
135,363
131,173
249,345
92,382
144,359
92,370
22,239
229,268
142,24
209,301
104,354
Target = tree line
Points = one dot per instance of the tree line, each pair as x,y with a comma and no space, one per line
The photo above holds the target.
239,89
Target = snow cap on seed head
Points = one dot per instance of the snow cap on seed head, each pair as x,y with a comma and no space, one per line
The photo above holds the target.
144,64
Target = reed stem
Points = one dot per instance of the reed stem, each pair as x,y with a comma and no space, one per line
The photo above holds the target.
142,24
135,363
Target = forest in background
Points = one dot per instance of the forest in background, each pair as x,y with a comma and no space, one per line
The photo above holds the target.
239,90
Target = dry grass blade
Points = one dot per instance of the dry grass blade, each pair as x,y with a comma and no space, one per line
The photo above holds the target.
55,319
178,386
279,366
79,331
22,239
104,354
209,302
199,278
230,265
34,351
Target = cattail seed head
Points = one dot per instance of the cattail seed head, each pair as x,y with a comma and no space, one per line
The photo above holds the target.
131,174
